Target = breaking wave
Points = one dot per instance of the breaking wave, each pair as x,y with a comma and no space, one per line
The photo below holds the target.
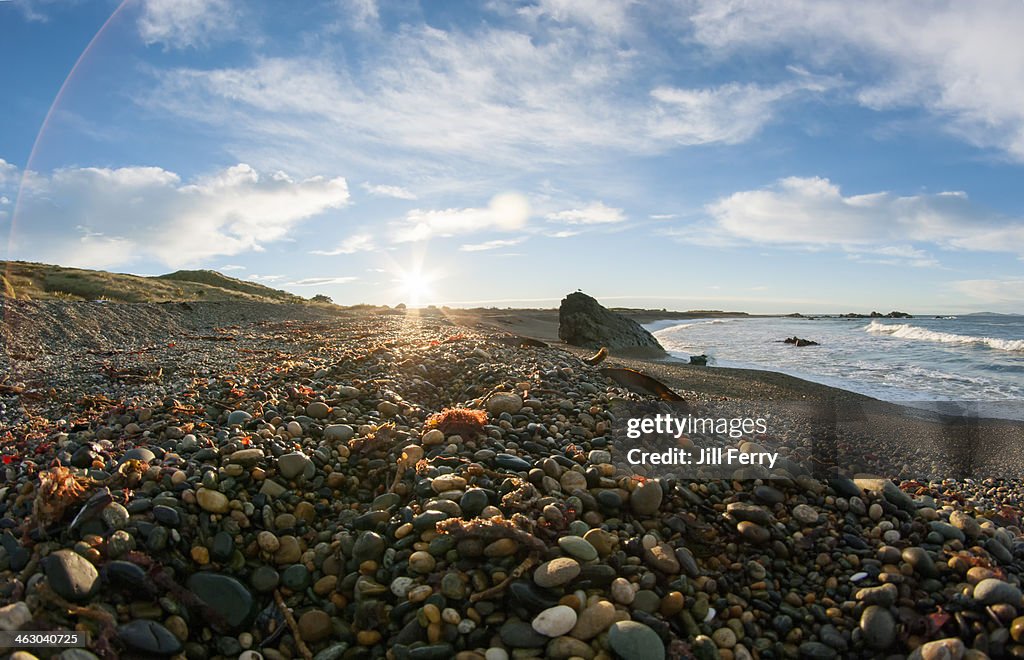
907,331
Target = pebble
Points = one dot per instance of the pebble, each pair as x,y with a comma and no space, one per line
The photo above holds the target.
878,626
593,620
71,575
992,591
556,572
318,410
805,514
646,499
339,433
295,465
149,637
502,402
578,548
315,626
224,595
555,621
635,641
212,500
14,616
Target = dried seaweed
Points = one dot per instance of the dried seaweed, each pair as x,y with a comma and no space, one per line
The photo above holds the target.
59,488
465,422
518,528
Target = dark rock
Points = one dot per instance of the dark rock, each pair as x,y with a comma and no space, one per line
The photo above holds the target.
225,596
510,462
223,546
797,341
71,575
148,637
582,321
521,635
124,574
138,454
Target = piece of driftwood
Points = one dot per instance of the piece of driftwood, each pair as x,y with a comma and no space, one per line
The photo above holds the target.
300,644
597,358
640,383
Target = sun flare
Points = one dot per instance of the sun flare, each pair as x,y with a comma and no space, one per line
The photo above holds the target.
414,287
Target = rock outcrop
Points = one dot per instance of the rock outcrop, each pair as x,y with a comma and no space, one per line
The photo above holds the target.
582,321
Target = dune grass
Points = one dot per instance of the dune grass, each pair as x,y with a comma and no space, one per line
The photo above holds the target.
34,281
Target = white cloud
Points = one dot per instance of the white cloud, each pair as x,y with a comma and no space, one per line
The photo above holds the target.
565,233
962,62
491,245
8,173
996,292
351,245
493,95
186,23
227,268
730,113
360,14
813,212
604,15
505,212
33,10
594,213
266,278
98,217
396,192
321,281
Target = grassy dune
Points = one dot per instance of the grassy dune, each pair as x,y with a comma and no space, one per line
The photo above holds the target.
33,281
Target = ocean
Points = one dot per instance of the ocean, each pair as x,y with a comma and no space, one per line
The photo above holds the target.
952,358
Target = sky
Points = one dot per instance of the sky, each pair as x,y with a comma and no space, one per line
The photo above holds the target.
796,155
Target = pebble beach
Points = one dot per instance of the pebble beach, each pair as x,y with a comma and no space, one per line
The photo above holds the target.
273,481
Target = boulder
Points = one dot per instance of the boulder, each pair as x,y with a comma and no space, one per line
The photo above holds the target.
582,321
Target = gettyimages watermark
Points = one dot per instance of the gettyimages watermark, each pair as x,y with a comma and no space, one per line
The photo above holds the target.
785,439
666,424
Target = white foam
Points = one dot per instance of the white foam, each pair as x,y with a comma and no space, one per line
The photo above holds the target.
907,331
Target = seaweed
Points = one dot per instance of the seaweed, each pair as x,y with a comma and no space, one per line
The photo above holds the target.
465,422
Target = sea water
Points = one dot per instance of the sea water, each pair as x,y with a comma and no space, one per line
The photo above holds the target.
950,358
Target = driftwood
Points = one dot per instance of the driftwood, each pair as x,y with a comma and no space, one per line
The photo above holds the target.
641,383
300,644
598,357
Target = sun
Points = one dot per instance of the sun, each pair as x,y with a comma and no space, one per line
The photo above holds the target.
414,287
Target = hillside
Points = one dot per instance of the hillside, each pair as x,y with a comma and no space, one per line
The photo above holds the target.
34,281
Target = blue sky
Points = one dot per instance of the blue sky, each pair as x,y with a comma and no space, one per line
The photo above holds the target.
812,156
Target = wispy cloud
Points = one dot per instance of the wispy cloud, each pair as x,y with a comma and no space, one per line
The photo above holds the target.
187,23
961,62
520,97
132,214
266,278
360,14
505,212
491,245
595,213
813,212
227,268
321,281
351,245
1009,291
731,113
397,192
